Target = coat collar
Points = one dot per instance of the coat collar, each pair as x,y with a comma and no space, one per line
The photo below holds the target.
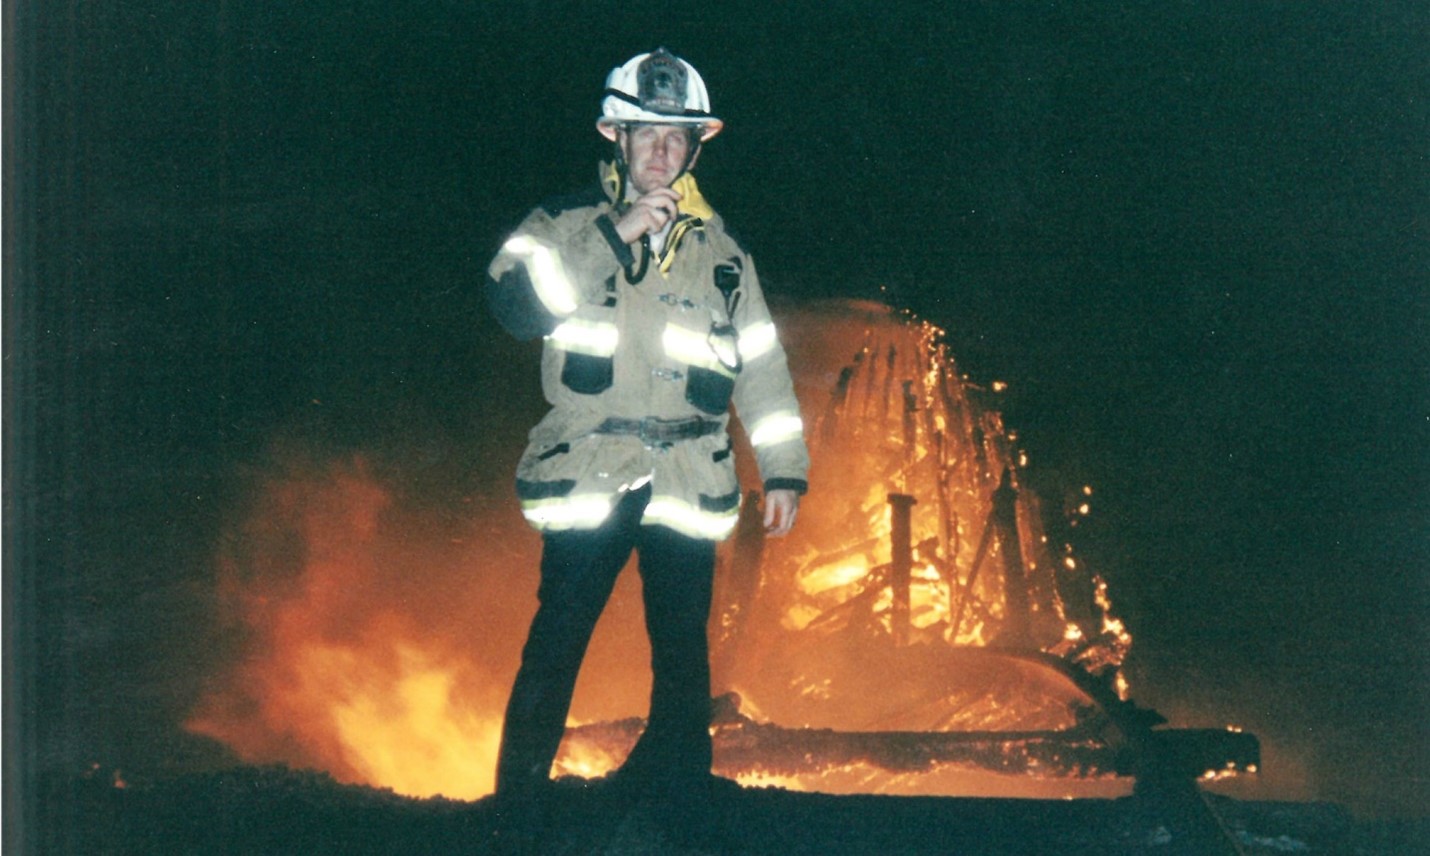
692,202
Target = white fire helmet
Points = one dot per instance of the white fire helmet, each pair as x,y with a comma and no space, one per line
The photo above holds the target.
656,87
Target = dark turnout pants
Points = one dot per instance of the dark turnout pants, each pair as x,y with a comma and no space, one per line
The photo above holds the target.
578,571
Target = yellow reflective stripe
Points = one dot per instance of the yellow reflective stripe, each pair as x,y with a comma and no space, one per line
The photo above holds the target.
690,520
757,341
695,349
567,512
776,428
547,275
596,338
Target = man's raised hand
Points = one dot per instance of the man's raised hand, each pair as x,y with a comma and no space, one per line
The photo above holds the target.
648,214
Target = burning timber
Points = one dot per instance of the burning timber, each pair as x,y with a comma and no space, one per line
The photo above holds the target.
930,612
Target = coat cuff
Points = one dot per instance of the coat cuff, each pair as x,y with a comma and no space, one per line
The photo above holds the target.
799,486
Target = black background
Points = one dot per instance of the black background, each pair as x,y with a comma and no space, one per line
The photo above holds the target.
1191,237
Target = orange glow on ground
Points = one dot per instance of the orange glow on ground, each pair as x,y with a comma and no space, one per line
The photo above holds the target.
377,638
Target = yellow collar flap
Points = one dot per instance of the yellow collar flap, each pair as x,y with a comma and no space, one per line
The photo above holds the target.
692,202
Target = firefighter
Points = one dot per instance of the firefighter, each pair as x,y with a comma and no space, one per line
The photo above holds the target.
654,324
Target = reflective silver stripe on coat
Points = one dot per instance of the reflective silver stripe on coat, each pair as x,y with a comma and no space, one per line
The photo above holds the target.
778,427
555,514
697,349
758,341
548,276
595,338
689,519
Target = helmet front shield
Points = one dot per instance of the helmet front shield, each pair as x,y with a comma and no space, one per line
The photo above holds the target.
656,88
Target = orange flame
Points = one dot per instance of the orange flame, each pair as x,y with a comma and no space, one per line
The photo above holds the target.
345,670
379,636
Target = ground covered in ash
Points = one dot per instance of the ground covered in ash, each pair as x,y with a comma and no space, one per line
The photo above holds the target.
273,810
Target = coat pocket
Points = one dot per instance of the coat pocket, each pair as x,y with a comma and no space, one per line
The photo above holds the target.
708,390
588,346
712,369
587,374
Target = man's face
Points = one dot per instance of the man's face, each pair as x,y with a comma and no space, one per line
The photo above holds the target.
655,154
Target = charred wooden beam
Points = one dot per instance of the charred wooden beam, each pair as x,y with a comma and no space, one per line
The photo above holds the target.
1157,758
902,562
1017,628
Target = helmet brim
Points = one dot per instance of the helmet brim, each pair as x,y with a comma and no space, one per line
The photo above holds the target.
709,126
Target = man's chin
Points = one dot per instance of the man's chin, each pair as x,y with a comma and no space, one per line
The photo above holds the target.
653,180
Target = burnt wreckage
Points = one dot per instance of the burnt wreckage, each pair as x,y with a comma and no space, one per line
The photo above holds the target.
928,614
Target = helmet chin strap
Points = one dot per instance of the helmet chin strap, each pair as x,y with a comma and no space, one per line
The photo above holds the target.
692,153
622,174
636,274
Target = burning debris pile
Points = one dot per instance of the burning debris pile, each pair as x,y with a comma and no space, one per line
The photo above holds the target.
921,531
927,626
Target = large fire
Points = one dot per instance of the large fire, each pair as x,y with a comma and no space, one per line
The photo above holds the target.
377,635
358,657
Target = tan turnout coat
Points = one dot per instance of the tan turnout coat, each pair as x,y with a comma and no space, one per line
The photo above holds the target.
640,367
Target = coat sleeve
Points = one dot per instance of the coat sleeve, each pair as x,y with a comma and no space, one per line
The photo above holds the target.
553,263
764,393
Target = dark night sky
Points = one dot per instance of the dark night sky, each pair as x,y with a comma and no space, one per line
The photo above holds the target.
1193,240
